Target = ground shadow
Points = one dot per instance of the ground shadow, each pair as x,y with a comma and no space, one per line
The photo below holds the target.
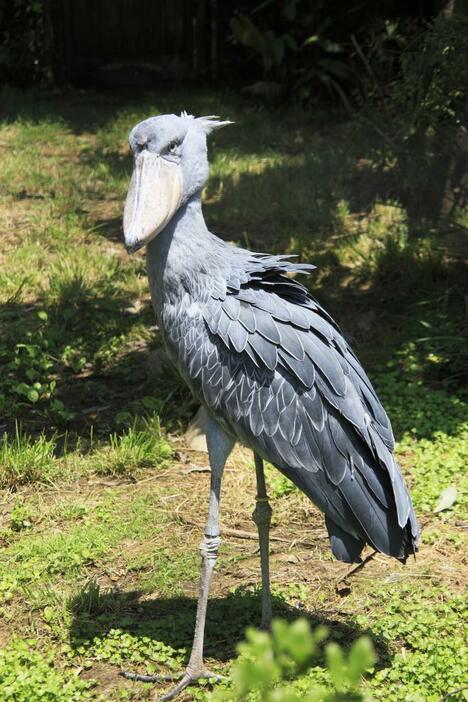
90,110
96,377
171,620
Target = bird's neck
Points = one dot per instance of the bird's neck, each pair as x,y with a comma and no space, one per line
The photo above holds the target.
183,257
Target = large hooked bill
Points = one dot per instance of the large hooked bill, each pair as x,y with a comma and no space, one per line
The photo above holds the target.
153,197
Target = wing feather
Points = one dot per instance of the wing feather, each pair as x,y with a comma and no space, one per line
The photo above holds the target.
265,350
285,382
238,336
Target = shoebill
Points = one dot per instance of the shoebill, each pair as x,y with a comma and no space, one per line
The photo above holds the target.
268,363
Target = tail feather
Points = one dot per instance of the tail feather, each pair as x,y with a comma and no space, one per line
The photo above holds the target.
345,547
363,508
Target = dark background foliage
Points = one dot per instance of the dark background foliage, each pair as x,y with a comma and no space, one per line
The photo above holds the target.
305,46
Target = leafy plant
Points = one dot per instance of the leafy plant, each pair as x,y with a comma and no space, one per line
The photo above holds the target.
292,43
269,664
376,59
420,111
24,41
432,88
431,660
278,484
29,367
20,517
27,674
26,375
119,647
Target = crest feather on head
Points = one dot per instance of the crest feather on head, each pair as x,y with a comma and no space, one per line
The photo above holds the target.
208,123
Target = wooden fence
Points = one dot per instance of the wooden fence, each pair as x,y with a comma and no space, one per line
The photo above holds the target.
147,41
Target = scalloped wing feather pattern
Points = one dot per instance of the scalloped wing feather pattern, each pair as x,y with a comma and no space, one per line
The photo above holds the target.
276,370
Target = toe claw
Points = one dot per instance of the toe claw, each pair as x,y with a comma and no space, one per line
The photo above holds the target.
185,682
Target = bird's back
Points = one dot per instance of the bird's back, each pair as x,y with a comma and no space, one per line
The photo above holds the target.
271,365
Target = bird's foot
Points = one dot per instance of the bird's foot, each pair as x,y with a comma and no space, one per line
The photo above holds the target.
185,679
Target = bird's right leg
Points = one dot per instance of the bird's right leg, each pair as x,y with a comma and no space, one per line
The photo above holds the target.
219,447
262,518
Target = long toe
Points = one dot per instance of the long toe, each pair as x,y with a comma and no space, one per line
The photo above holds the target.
177,689
187,679
138,677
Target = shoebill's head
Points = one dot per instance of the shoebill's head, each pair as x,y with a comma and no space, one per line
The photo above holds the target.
170,165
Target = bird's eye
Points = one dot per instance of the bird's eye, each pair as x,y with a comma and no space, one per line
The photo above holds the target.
172,147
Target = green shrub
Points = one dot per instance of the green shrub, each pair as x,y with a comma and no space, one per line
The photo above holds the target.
420,118
434,78
295,49
269,665
24,39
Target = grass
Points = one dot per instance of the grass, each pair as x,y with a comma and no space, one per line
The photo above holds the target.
101,510
133,450
23,459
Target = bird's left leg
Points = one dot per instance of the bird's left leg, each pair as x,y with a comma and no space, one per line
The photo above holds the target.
219,447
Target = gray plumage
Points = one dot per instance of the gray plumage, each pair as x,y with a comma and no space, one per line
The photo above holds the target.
274,370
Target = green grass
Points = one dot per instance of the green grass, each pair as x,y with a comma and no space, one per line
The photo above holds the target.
23,459
100,524
133,450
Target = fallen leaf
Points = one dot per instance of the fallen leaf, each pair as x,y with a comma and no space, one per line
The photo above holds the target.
446,499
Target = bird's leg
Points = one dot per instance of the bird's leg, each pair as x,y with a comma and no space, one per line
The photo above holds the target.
219,448
262,518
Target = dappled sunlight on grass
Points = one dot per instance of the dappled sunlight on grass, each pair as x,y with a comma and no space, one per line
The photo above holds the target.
102,517
24,459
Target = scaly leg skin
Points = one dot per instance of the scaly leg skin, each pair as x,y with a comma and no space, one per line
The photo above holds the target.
262,518
219,447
